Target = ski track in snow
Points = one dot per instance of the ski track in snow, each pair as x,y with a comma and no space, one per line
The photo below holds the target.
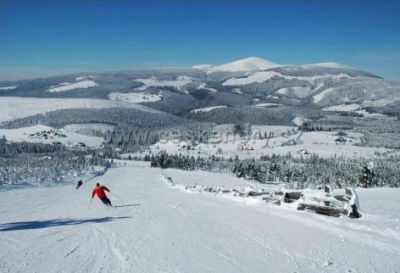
168,230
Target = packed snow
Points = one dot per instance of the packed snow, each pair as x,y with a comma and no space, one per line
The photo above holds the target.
135,97
156,228
246,64
62,87
6,88
208,109
18,107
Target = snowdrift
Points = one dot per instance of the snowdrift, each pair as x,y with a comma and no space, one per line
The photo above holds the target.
319,201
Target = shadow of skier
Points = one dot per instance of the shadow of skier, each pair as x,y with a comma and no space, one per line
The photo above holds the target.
129,205
54,223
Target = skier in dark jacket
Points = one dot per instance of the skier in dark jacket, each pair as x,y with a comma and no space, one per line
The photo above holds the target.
100,190
79,184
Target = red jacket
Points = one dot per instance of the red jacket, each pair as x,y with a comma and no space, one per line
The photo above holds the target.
99,191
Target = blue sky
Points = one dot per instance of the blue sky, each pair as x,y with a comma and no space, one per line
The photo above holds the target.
50,37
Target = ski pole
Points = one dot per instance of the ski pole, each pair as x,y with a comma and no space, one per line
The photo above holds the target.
90,203
113,194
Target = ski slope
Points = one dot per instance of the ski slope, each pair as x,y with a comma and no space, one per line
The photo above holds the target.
161,229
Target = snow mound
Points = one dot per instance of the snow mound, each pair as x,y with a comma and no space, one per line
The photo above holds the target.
318,201
250,64
62,87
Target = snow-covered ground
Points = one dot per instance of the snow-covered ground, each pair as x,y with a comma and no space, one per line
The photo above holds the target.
84,77
62,87
208,109
343,107
204,86
282,140
88,128
179,83
356,108
134,97
246,64
6,88
46,134
261,76
326,65
157,228
317,98
267,104
18,107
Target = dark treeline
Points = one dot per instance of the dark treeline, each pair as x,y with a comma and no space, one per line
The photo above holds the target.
281,115
14,148
300,173
114,116
130,139
36,169
24,163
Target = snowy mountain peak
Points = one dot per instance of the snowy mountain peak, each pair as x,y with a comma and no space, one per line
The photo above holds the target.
250,64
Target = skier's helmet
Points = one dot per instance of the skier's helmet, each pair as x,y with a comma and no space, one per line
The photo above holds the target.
97,184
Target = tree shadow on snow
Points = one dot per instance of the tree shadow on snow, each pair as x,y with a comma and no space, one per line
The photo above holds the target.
54,223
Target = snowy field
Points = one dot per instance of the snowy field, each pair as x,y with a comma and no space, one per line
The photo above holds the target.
138,97
286,139
208,109
263,76
66,86
179,83
6,88
46,134
17,107
157,228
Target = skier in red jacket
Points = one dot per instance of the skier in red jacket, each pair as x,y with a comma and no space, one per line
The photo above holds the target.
99,190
